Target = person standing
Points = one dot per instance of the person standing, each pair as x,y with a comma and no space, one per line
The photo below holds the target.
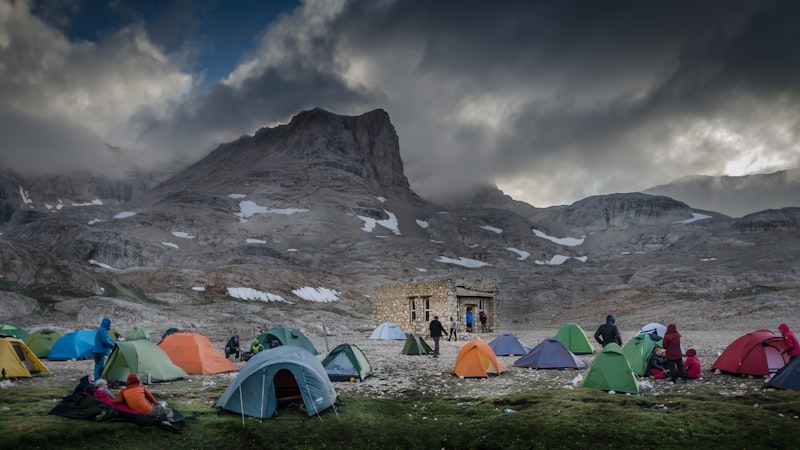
790,344
453,328
102,346
437,331
483,319
608,332
469,320
674,354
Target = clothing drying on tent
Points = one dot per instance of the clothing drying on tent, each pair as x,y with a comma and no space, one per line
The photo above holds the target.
144,358
639,350
17,360
758,353
388,331
477,360
276,377
40,342
788,377
574,338
507,344
78,344
346,362
610,371
13,331
287,336
550,354
415,345
137,332
195,354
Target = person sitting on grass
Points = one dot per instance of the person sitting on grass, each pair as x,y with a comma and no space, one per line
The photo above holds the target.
692,364
141,400
102,393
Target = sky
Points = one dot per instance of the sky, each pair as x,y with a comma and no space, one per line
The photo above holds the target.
552,101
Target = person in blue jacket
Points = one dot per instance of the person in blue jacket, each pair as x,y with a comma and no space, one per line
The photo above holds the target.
102,346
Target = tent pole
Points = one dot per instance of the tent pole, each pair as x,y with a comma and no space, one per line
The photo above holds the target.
241,403
310,395
263,382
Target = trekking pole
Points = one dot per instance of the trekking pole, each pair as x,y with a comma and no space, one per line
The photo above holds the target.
325,335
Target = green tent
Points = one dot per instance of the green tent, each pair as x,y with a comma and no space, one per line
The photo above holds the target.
610,371
346,361
40,342
415,345
639,350
574,338
138,332
11,330
142,357
286,336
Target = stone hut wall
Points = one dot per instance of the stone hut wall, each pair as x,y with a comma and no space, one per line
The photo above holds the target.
412,306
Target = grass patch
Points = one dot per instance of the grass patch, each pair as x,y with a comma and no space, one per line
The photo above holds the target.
559,418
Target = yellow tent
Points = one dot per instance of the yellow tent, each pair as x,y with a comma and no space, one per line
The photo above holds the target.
17,360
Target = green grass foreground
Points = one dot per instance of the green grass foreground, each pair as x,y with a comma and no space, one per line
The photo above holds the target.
550,419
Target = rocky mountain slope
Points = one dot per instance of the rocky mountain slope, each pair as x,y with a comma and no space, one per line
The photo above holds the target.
298,224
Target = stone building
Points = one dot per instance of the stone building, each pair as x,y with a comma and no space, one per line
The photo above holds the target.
412,306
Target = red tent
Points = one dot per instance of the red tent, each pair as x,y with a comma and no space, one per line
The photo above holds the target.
758,353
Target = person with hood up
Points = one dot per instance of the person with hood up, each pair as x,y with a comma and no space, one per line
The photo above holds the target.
141,400
674,354
608,332
692,364
790,344
85,385
102,346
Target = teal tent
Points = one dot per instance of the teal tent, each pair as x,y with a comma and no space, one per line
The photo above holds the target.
286,336
639,350
14,331
142,357
610,371
346,361
279,376
574,338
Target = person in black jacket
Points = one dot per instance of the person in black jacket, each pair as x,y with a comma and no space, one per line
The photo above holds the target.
608,332
233,348
437,331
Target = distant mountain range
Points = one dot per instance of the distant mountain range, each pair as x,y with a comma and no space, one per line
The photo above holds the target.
735,196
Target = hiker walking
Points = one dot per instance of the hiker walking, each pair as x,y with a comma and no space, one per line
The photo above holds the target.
437,331
102,346
674,354
453,327
608,332
790,344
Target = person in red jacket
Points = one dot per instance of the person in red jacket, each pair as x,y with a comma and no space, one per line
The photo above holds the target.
692,364
673,353
790,344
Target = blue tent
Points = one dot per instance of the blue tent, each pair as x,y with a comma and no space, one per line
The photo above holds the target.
279,376
550,354
508,344
78,344
787,377
388,331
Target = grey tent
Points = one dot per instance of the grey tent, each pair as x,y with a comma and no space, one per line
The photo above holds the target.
280,375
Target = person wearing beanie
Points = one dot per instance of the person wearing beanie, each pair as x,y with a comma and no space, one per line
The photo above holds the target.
790,344
692,364
142,401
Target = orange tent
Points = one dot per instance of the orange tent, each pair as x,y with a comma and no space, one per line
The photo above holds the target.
477,360
195,354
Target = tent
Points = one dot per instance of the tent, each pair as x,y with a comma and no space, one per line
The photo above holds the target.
639,350
415,345
550,354
142,357
169,331
137,332
758,353
40,342
14,331
346,361
287,336
477,360
17,360
788,377
195,354
653,327
574,338
280,375
507,344
610,371
78,344
388,331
